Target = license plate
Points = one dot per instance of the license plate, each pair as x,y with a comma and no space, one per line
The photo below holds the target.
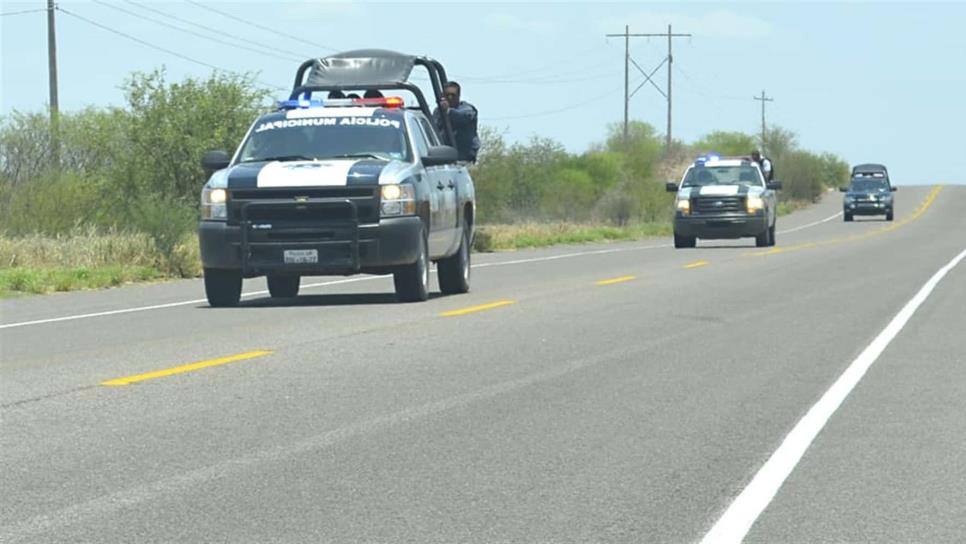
300,256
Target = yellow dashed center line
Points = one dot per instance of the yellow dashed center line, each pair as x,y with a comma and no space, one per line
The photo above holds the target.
480,308
855,237
186,368
612,281
697,264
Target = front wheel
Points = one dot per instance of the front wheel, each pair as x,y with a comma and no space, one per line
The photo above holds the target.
847,217
889,216
763,239
454,271
223,287
412,280
684,241
283,286
771,235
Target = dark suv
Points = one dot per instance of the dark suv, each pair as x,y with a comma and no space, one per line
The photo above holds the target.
869,193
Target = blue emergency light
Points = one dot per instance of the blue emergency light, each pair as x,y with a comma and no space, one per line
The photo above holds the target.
710,157
299,103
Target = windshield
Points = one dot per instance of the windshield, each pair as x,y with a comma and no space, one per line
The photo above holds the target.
320,138
700,176
864,185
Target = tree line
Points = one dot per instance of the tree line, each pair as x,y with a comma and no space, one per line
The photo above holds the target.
136,166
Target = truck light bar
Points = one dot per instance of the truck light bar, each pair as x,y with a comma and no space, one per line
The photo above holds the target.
302,103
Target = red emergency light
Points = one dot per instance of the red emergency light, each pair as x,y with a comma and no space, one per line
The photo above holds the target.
385,102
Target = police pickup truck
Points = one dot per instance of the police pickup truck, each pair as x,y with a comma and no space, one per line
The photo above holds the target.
340,186
722,198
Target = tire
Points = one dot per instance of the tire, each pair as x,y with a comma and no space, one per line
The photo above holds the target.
684,241
283,286
763,239
223,287
454,271
412,280
889,216
771,236
847,217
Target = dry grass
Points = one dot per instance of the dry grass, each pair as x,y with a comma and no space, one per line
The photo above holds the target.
88,259
530,235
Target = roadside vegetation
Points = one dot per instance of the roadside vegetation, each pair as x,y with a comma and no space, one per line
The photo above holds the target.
113,198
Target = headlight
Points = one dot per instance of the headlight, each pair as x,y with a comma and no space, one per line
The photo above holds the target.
397,200
754,204
684,206
213,204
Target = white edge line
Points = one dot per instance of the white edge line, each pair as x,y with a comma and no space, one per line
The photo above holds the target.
308,286
351,280
737,520
163,306
803,227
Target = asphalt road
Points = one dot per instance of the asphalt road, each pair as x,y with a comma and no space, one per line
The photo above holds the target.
636,410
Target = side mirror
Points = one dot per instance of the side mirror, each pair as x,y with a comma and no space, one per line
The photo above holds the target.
671,187
774,185
893,188
215,160
440,154
843,189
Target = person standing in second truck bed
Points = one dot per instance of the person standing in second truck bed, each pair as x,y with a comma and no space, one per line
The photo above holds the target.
462,118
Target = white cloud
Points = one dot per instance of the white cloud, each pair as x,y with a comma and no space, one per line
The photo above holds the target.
716,24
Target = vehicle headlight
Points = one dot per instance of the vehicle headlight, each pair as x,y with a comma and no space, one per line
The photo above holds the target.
848,200
684,206
397,200
754,204
214,204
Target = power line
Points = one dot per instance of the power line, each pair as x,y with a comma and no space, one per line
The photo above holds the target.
162,49
548,80
191,32
701,89
669,59
763,100
259,26
217,31
596,98
38,10
533,72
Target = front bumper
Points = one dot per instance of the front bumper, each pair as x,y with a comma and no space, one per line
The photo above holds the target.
727,226
342,249
868,208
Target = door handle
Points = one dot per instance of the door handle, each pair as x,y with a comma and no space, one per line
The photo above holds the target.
451,184
439,185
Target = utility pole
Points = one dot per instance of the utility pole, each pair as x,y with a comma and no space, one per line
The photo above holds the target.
647,77
763,99
52,76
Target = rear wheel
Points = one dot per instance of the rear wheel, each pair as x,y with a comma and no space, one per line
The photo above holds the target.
454,271
684,241
412,280
283,286
223,287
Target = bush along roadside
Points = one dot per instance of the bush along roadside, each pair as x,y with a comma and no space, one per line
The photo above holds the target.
120,204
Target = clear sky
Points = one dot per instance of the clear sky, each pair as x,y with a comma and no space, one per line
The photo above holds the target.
872,82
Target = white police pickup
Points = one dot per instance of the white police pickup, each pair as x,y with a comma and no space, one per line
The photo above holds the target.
724,198
337,187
